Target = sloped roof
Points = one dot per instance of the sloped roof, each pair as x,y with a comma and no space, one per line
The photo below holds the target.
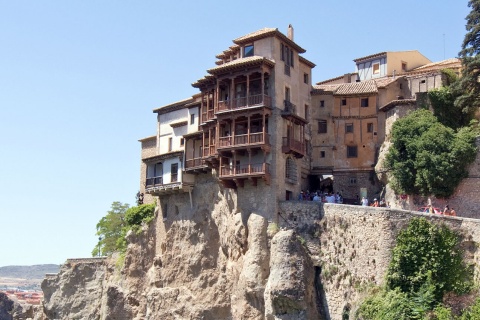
173,106
325,88
354,88
242,62
267,32
375,55
448,63
399,102
385,81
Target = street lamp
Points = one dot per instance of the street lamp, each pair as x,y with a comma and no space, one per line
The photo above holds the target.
99,246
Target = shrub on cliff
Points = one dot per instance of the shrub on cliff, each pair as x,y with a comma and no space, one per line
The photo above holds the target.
427,157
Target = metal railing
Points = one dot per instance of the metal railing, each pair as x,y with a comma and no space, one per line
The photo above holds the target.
154,181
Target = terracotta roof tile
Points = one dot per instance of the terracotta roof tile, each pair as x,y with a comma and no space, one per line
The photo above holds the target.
383,82
395,103
240,63
307,62
173,106
448,63
326,88
355,88
267,32
336,78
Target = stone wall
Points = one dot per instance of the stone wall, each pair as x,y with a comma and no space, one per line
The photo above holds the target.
352,245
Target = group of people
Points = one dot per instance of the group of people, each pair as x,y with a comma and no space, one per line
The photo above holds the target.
449,212
375,203
319,196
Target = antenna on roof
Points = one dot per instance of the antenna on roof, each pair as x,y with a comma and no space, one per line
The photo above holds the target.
444,46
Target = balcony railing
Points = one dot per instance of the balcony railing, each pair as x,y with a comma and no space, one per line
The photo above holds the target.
193,163
245,170
243,102
243,139
208,115
290,144
209,151
151,182
290,108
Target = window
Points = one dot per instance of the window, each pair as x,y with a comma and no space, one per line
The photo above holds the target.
182,141
322,126
376,68
370,127
287,93
322,154
154,174
305,78
353,180
404,66
351,151
344,102
364,102
174,172
170,144
322,103
349,128
291,170
192,118
306,112
248,51
286,55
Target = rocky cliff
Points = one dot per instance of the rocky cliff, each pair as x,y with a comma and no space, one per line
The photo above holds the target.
214,261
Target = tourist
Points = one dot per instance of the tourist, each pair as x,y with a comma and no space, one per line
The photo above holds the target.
383,203
316,197
453,212
446,210
375,203
300,196
364,201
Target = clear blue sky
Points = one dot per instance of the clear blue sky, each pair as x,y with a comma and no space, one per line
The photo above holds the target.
79,80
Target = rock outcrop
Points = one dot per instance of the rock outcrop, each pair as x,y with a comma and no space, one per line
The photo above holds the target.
212,260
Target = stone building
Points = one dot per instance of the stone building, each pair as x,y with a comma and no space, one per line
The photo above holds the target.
258,125
248,126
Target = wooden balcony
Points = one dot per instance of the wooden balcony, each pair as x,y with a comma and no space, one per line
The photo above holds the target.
257,100
295,147
208,115
155,185
239,173
195,164
243,141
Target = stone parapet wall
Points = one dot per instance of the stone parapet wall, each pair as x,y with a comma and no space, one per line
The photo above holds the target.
353,244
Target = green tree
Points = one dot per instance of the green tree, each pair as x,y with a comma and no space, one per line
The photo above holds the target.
109,229
427,260
427,157
468,86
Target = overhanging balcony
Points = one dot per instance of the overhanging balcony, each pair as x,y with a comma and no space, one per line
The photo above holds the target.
293,146
237,174
155,185
257,100
195,164
243,141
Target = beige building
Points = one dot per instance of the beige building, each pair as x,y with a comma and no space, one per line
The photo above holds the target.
258,125
248,126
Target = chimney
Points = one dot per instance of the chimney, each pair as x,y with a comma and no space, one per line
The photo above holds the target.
290,32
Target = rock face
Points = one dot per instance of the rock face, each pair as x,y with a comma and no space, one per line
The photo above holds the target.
11,309
213,260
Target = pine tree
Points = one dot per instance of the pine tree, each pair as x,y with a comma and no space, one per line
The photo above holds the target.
469,86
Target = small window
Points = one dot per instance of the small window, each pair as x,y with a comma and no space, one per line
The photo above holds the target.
370,127
305,78
404,66
376,68
351,151
322,154
401,86
192,118
174,172
423,81
306,112
287,93
170,143
322,126
344,102
182,141
322,103
248,51
349,127
364,102
353,180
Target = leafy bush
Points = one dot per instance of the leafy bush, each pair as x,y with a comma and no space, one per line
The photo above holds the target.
426,253
386,305
144,213
427,157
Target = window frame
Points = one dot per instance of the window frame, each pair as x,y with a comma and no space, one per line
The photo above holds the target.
250,52
343,102
375,68
352,151
364,102
322,124
349,127
370,127
322,103
192,118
